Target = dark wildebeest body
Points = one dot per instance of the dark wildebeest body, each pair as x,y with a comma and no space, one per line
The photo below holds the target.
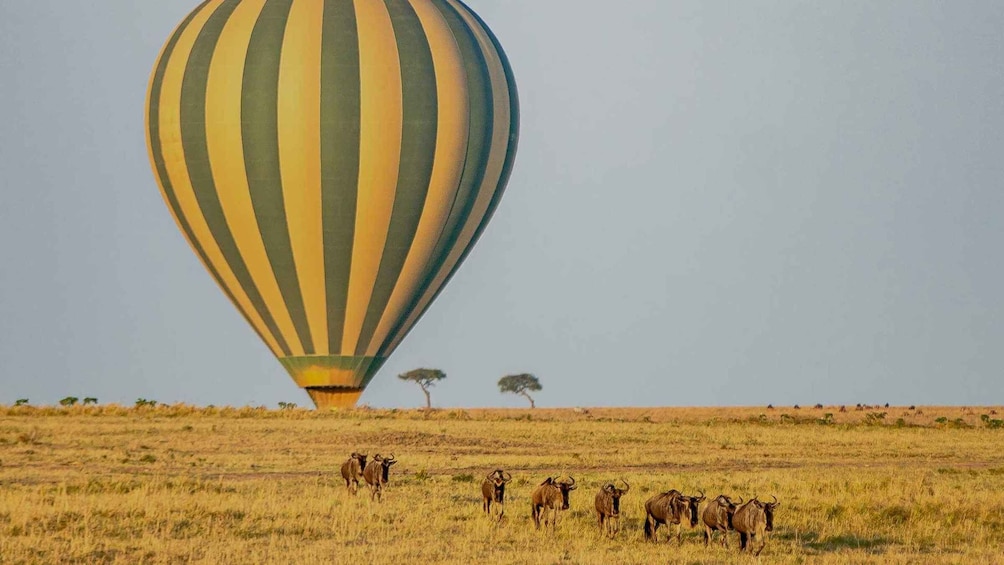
670,508
352,471
753,520
377,474
608,507
493,490
717,517
550,498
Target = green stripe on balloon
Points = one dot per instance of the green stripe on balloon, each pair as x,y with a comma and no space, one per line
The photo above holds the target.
260,134
482,118
193,138
418,150
340,127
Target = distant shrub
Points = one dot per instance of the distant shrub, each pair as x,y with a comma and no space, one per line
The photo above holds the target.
90,400
148,458
874,418
826,419
287,406
941,420
69,401
141,402
21,402
463,478
992,423
422,475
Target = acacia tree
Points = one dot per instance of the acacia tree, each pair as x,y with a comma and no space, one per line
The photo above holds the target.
424,378
519,384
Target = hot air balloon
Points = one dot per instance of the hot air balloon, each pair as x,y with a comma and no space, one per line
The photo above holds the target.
331,163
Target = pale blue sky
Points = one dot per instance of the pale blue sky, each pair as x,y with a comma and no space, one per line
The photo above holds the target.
712,203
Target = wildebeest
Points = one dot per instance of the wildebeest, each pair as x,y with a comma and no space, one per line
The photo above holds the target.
377,474
352,470
493,490
608,507
753,520
671,508
549,498
717,517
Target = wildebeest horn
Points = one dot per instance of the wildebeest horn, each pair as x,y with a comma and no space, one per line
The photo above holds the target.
506,476
702,495
775,499
490,476
740,500
390,458
571,478
627,487
377,457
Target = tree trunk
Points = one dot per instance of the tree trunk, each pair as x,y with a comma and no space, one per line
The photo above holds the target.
428,399
532,405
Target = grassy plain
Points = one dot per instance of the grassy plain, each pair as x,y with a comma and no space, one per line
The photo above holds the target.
174,484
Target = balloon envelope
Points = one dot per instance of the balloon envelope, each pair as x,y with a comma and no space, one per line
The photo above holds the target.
331,163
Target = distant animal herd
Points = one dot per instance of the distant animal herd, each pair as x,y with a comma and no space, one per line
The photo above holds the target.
751,519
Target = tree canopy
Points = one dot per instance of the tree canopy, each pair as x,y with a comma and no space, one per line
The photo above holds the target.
424,378
520,384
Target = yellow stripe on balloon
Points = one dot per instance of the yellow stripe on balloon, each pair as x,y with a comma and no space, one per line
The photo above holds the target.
381,116
448,164
177,170
300,158
493,171
226,158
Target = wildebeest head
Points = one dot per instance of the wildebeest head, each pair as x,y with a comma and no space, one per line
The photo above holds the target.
361,458
687,506
498,479
616,494
385,463
768,511
565,486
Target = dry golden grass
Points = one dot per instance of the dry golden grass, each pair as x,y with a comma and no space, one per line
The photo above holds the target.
109,484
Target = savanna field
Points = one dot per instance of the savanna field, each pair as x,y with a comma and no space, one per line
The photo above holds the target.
174,484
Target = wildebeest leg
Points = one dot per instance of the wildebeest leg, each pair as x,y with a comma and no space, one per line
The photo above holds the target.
725,539
599,519
763,542
742,541
535,513
679,533
651,525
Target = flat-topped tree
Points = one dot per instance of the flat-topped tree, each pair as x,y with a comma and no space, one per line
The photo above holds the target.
519,384
424,378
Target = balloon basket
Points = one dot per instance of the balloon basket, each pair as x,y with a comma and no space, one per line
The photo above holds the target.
334,397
